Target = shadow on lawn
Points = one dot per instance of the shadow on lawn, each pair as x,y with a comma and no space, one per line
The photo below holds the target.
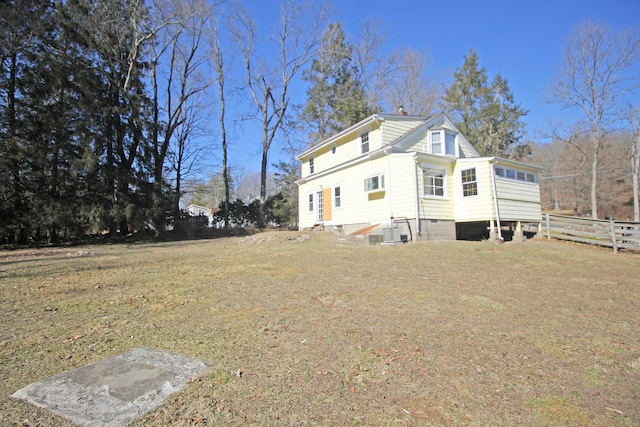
131,238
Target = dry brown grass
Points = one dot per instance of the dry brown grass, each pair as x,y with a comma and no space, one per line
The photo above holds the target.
324,332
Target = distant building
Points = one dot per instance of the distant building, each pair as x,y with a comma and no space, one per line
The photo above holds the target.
197,210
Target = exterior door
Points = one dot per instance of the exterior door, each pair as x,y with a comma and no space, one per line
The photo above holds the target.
320,210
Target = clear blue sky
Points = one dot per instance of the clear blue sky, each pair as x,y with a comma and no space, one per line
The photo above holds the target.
521,40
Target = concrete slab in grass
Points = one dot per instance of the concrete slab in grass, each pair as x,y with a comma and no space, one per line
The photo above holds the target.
114,391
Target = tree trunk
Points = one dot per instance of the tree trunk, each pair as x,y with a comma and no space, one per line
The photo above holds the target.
263,188
635,168
594,177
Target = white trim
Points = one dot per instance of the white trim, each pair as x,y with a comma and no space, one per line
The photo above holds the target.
424,167
333,196
527,175
381,183
495,201
310,203
462,183
358,127
362,143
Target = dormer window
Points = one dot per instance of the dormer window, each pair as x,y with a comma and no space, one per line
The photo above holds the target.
364,143
450,144
436,142
442,142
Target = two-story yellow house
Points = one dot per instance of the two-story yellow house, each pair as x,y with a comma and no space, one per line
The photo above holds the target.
417,175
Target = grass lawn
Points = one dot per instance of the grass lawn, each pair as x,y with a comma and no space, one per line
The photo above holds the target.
324,332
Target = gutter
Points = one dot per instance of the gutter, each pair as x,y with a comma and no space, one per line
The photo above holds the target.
355,128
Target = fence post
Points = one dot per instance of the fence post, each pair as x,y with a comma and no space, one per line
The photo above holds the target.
613,236
548,227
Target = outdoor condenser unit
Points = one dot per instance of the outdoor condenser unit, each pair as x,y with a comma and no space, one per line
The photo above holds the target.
391,235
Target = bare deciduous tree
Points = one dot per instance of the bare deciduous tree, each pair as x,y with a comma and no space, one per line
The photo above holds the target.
183,78
595,79
410,86
634,155
296,39
375,69
218,57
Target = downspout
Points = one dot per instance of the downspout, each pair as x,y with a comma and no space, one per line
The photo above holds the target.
417,190
387,151
495,199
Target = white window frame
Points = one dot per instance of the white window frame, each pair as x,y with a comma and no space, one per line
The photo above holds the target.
444,143
364,143
514,174
311,166
440,141
380,183
432,172
320,209
310,202
337,196
471,184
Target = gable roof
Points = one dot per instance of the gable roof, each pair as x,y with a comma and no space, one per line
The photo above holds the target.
439,121
357,127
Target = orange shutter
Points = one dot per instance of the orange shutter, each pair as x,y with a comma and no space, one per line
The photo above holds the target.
326,203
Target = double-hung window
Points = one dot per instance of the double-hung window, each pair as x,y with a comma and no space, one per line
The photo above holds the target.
442,142
337,197
434,182
436,142
450,144
364,143
311,166
469,183
310,202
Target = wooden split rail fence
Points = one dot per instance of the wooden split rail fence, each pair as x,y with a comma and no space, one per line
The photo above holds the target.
610,233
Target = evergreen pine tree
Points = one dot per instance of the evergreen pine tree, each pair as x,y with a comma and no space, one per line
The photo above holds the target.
336,98
486,114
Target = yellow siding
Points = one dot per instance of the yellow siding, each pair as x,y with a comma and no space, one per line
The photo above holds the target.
421,142
511,210
346,149
402,185
438,208
357,206
474,208
305,218
517,190
394,129
518,201
465,152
